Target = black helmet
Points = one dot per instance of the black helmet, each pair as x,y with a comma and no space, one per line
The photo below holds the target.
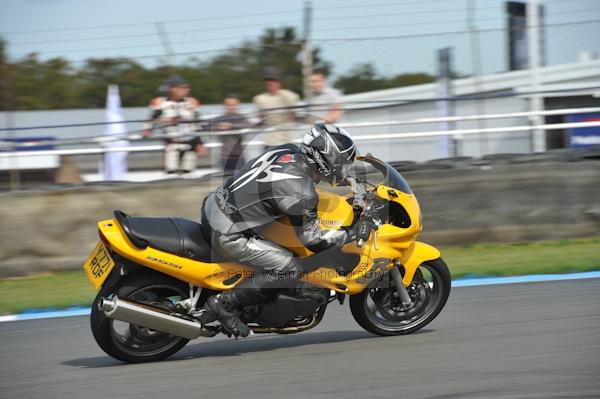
330,150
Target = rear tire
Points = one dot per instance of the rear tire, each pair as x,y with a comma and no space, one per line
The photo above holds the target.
379,312
138,344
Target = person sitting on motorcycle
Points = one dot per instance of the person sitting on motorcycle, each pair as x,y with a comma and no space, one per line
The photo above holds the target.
279,183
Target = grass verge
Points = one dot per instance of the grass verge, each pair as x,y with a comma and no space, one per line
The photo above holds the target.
548,257
65,289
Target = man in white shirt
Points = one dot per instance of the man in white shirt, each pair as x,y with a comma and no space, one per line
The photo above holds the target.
325,104
276,110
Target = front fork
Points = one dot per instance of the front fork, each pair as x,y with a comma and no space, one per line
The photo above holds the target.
401,291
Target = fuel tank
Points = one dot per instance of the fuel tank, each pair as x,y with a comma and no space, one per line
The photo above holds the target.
334,212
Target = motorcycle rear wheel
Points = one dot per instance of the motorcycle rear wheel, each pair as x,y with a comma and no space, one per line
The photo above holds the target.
378,311
131,343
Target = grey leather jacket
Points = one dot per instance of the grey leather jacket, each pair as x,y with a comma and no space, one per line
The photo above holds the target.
276,184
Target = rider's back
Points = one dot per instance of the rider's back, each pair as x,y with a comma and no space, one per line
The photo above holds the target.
273,185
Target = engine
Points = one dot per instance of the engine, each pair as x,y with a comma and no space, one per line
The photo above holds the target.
289,307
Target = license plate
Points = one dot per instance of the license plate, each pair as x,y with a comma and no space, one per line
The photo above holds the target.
98,265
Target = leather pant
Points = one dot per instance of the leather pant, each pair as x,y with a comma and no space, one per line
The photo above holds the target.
274,266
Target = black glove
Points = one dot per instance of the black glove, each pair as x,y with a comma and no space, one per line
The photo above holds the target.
360,230
344,182
363,229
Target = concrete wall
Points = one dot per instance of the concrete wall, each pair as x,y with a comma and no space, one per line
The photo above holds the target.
55,229
510,203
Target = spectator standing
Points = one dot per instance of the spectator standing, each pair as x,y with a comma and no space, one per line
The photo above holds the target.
325,104
275,109
176,116
232,149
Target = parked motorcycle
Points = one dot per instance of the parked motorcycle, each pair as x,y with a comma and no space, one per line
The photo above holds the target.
154,274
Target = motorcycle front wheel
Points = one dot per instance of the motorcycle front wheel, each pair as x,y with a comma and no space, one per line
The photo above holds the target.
132,343
379,310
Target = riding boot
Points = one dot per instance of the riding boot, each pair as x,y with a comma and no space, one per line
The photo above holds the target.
225,306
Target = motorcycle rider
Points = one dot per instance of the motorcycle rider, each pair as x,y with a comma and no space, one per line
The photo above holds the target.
280,182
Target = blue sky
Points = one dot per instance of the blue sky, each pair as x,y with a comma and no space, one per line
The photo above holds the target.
201,26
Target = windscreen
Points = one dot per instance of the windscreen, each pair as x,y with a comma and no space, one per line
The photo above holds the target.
392,178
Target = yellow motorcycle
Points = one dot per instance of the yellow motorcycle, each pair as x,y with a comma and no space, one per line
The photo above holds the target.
154,274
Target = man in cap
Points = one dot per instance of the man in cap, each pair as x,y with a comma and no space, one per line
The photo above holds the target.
176,117
275,109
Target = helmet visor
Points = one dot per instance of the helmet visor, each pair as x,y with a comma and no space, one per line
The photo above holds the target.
340,174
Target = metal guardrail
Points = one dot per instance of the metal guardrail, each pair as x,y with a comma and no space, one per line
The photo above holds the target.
565,111
369,137
364,137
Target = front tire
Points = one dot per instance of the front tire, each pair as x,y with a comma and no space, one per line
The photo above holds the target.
131,343
378,311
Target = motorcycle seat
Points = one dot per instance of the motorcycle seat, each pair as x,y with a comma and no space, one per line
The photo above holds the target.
177,236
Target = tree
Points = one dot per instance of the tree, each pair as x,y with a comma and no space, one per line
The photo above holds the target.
136,84
361,78
409,79
3,74
240,70
364,77
43,85
55,84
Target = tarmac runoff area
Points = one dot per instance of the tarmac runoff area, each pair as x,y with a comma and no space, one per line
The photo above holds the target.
513,340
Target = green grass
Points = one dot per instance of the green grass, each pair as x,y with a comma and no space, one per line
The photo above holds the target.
56,290
548,257
65,289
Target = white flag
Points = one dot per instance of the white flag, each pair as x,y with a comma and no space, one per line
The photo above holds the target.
114,166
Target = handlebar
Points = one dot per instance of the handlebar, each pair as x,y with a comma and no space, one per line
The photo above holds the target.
366,221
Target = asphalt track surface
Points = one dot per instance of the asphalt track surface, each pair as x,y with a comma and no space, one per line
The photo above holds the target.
530,340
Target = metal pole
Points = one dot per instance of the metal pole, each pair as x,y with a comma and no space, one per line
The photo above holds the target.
14,176
307,60
447,146
533,44
166,44
476,66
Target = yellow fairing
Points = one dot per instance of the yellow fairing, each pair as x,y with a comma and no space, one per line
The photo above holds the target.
390,243
371,261
334,211
207,275
409,203
393,243
414,253
417,253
